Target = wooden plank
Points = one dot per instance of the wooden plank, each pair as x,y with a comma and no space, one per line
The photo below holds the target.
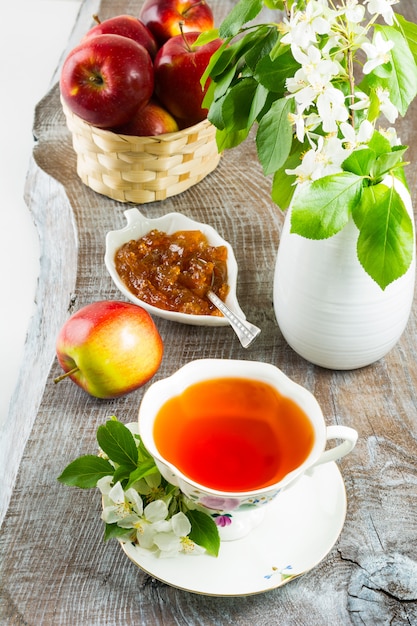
55,568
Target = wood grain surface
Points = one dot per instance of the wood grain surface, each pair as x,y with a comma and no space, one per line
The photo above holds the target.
54,566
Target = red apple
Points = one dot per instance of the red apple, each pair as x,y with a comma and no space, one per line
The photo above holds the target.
149,121
105,79
178,67
109,348
163,17
127,26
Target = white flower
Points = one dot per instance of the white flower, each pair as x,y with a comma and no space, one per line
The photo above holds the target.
174,537
383,7
391,135
323,160
332,108
363,101
354,139
118,504
376,52
387,108
354,11
303,27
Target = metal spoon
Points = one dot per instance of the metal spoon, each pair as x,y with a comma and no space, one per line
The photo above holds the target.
245,331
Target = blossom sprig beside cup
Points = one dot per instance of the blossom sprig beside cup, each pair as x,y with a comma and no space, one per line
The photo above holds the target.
323,86
139,505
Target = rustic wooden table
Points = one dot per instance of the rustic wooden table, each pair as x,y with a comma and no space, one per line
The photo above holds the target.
55,567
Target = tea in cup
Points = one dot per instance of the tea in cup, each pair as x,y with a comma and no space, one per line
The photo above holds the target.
232,434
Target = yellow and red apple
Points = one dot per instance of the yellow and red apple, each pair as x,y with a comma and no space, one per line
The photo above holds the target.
109,348
163,17
106,78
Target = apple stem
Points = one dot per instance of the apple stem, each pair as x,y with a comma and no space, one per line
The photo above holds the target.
59,378
181,27
96,19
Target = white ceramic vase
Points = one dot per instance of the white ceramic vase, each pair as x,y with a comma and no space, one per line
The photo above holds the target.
328,308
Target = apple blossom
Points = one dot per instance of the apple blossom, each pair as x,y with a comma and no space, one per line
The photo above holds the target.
382,7
174,538
377,53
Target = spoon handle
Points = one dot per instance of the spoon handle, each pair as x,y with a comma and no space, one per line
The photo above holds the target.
245,331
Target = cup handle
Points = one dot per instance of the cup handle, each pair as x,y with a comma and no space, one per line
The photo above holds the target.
350,437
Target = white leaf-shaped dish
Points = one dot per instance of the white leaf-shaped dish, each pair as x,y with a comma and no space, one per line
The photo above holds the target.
137,226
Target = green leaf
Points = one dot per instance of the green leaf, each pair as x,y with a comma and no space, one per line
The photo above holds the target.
118,443
243,12
401,76
273,73
379,144
322,208
85,471
237,104
204,531
283,186
262,41
409,31
388,162
219,62
230,139
206,36
114,531
360,162
386,238
258,103
274,136
146,468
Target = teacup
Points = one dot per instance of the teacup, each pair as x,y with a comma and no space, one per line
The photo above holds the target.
232,434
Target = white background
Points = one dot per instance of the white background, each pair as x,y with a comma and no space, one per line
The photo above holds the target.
33,35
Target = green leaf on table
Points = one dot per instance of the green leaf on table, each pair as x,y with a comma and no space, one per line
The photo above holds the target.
204,531
321,209
244,11
400,76
85,471
386,238
116,440
274,136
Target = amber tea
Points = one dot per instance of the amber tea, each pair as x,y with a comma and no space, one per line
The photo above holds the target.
233,434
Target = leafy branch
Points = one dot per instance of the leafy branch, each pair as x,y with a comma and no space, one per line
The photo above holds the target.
294,82
139,505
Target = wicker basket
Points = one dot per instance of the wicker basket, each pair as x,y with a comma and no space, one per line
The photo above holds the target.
142,169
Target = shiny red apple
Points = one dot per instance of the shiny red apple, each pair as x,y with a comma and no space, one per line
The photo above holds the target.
106,78
109,348
179,66
151,120
163,17
127,26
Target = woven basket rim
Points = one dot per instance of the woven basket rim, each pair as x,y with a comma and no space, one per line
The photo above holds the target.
105,132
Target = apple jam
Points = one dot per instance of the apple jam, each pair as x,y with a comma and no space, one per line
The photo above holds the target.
174,272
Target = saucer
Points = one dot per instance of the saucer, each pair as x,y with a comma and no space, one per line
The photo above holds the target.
299,529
